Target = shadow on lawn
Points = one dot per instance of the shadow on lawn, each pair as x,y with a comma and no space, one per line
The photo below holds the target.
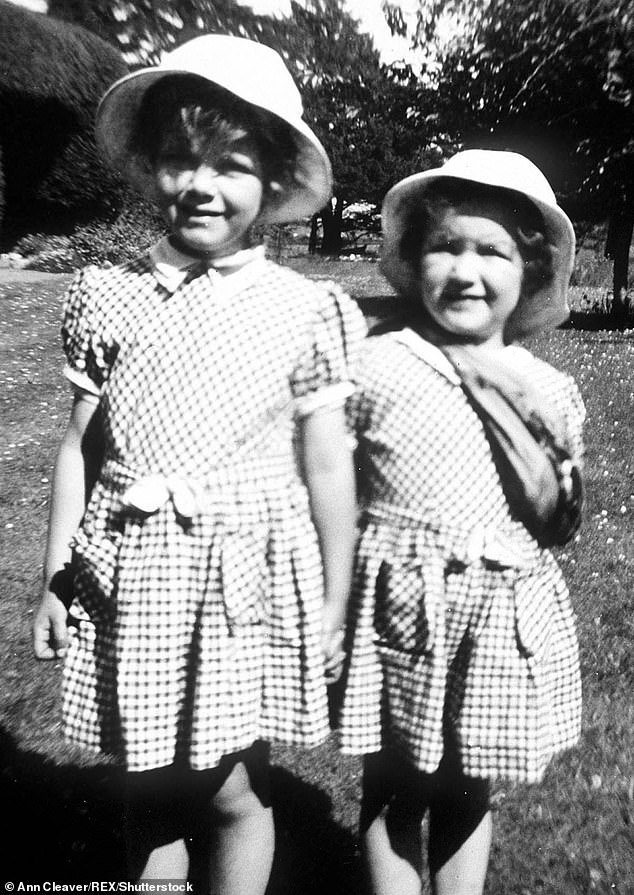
594,321
314,855
63,823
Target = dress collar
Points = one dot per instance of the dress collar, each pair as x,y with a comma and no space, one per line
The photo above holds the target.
514,356
432,355
171,267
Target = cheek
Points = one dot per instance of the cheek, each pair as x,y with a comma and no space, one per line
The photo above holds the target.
514,277
432,275
250,196
168,184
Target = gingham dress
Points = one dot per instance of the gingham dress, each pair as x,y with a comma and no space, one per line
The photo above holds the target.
199,606
463,636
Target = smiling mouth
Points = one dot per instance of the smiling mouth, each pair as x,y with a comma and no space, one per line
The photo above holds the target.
199,213
460,298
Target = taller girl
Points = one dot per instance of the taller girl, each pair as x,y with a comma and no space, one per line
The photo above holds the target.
210,567
464,658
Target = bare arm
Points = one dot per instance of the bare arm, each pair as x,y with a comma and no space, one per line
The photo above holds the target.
68,500
329,475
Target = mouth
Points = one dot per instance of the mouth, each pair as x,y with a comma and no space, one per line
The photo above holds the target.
463,298
200,214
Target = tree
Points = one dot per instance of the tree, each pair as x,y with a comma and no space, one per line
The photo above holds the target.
145,29
51,79
551,78
364,114
361,110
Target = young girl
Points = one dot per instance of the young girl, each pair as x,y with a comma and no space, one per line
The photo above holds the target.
211,565
463,663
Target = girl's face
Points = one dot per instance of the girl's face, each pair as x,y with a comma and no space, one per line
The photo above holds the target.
471,273
210,195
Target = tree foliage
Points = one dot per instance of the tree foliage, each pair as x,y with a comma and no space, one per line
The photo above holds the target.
143,30
363,112
361,109
51,79
539,75
551,78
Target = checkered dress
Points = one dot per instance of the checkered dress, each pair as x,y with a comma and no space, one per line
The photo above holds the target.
199,618
462,632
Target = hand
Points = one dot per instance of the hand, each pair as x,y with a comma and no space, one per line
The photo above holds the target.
332,647
50,632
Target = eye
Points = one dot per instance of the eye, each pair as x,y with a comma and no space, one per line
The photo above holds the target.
442,244
175,158
236,163
497,250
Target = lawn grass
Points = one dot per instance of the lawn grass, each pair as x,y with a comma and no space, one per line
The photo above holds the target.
574,833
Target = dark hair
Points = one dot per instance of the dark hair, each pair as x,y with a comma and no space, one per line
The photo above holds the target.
187,107
527,225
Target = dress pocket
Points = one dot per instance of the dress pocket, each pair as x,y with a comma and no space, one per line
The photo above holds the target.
402,614
245,576
413,701
96,568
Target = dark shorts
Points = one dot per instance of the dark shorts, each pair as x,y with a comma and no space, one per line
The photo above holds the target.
171,803
389,780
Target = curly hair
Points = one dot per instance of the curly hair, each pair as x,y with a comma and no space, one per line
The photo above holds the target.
527,225
200,114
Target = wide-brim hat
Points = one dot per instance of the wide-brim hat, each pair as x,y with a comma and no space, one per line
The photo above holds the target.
545,307
250,71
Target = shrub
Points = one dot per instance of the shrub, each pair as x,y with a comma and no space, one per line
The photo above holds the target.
52,76
591,269
137,227
46,252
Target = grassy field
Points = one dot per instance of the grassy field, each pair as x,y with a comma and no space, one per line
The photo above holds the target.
574,833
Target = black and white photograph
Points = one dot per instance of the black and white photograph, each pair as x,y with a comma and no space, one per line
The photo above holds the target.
317,477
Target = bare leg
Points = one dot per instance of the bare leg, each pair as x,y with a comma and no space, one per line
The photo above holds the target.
395,799
242,838
157,804
465,871
391,828
460,829
169,861
393,863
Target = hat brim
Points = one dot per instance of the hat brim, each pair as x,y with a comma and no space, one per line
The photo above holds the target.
542,309
307,193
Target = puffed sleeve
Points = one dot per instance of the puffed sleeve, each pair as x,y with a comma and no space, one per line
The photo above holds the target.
84,338
325,376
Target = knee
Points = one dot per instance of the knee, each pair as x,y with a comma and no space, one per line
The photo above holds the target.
237,798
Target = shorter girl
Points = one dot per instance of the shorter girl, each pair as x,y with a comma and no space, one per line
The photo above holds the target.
463,663
211,557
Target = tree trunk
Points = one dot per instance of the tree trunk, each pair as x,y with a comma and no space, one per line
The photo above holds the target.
331,218
617,247
312,239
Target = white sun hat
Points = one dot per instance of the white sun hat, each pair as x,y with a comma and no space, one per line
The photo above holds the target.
249,70
545,307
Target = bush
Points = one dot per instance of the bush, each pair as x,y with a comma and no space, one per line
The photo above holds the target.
591,269
126,237
52,76
137,228
46,252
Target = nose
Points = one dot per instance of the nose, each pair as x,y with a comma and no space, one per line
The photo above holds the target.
202,180
464,268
